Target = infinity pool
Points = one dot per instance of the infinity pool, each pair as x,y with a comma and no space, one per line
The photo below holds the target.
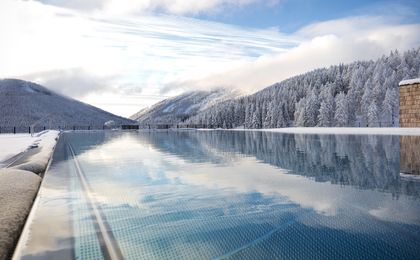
224,195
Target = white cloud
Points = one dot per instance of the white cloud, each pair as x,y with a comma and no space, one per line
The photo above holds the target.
178,7
75,82
324,44
42,38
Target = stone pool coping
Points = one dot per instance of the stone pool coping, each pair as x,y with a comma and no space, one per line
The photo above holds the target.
19,187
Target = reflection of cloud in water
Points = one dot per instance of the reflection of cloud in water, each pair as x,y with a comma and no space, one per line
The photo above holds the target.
248,176
392,211
50,224
140,162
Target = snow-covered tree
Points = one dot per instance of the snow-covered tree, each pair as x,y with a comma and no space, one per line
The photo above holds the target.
387,109
326,110
341,116
256,118
312,109
300,113
373,117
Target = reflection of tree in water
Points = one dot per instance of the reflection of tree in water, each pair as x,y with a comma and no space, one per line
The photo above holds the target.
367,162
184,144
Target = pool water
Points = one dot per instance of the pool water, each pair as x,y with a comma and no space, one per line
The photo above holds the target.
224,195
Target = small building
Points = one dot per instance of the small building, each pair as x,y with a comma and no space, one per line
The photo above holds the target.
410,103
130,127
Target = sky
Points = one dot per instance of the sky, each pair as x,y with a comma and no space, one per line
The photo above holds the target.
125,55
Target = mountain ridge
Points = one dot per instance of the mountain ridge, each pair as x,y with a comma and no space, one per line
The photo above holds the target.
179,108
24,103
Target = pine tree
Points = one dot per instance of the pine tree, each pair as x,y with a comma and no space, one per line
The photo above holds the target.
326,110
268,117
366,101
300,112
256,118
312,109
387,106
373,118
341,113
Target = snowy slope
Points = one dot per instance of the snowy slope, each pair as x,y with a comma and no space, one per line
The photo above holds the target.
15,143
361,93
24,103
179,108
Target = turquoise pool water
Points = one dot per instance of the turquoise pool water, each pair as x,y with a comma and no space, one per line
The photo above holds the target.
224,195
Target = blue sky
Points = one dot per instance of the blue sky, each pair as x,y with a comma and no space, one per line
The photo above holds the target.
290,15
124,55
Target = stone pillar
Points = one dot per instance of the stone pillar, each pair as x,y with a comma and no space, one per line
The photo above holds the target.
410,103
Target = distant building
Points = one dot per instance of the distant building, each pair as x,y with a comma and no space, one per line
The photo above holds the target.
130,127
410,103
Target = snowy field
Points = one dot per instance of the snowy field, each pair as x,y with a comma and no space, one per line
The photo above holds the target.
13,144
341,130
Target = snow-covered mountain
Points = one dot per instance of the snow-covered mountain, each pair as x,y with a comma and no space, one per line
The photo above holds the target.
26,104
362,93
178,109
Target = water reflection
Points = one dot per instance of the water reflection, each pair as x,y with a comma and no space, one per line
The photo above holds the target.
410,154
209,194
367,162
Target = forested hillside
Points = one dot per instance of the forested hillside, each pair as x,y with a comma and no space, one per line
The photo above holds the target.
24,104
177,109
363,93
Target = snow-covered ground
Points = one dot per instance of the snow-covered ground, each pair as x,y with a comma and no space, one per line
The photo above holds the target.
341,130
13,144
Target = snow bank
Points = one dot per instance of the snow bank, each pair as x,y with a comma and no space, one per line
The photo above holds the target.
410,82
19,185
38,162
341,130
13,144
18,190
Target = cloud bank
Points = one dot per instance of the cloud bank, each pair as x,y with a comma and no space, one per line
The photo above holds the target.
75,82
323,44
177,7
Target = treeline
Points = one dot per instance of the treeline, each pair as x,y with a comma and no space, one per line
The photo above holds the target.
362,93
